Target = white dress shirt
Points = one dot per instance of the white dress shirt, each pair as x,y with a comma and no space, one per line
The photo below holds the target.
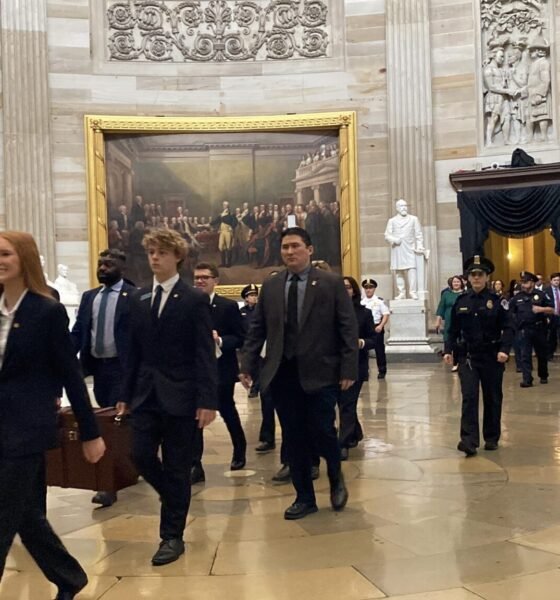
377,307
167,287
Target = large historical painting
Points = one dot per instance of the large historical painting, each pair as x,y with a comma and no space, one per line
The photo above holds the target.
517,80
230,194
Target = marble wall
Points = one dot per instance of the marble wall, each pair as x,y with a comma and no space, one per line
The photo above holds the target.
353,77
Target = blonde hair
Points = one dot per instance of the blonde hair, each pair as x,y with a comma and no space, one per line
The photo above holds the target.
30,263
167,239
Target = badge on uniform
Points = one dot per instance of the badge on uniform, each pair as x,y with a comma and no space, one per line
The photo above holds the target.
463,309
536,297
489,305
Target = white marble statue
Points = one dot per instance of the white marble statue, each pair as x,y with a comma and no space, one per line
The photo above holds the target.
49,282
67,289
404,233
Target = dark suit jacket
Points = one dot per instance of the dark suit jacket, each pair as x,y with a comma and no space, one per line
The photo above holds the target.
39,360
366,329
173,357
327,347
81,332
227,321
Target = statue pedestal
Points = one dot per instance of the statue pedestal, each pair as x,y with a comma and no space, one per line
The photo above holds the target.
409,329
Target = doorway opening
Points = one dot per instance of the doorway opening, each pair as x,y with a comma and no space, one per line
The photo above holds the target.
513,255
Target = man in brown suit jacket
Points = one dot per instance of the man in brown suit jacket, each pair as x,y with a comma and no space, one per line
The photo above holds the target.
311,333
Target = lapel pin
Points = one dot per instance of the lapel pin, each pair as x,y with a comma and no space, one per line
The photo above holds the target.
314,282
175,295
16,325
125,293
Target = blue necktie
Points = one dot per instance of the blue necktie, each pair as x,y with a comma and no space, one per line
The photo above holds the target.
100,331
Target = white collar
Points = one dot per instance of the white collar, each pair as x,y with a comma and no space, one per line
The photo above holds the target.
4,310
166,285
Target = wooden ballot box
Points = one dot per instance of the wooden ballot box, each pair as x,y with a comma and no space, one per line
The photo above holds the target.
67,467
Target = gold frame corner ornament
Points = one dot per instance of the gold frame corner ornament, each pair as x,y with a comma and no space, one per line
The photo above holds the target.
97,126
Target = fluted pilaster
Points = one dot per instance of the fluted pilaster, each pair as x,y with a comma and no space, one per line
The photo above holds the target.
27,144
409,82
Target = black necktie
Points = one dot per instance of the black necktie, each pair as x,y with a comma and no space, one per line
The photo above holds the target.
156,303
291,331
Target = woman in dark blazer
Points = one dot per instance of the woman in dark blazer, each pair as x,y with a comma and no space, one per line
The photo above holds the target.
350,430
37,359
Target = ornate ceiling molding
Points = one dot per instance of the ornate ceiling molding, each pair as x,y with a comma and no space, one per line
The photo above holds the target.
215,31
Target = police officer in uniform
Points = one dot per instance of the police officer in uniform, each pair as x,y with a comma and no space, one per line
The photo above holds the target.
250,295
530,310
480,337
380,317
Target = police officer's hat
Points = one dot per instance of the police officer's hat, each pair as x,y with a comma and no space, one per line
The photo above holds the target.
478,264
249,289
528,276
369,283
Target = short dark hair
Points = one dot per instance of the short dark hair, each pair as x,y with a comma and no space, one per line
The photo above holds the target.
204,266
553,275
114,253
305,237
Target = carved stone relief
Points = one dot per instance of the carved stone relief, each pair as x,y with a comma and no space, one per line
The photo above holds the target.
216,30
516,72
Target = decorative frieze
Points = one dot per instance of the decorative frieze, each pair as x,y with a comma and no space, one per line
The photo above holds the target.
517,101
217,30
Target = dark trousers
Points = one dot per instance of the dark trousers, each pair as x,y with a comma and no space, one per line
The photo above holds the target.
308,426
22,495
108,376
486,372
267,432
228,412
380,357
529,339
349,429
517,350
170,476
553,331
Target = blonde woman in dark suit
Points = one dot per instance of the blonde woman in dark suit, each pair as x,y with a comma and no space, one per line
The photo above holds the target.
36,359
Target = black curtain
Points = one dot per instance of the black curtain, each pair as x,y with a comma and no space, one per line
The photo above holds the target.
515,212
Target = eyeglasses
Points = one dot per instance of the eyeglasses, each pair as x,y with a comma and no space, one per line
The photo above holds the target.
204,277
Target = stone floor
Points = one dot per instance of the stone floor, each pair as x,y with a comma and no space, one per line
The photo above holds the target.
423,522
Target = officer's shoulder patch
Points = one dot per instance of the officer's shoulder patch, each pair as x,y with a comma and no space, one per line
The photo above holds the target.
505,304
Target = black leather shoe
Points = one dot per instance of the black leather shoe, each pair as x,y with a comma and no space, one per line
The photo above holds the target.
315,472
104,498
491,446
468,450
344,454
381,375
283,475
298,510
353,443
544,380
168,552
197,474
237,464
264,447
526,384
67,595
339,493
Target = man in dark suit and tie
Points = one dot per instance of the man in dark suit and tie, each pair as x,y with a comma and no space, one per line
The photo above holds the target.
553,291
100,335
228,331
170,383
311,333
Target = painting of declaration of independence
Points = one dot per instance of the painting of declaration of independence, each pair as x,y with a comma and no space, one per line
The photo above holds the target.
230,195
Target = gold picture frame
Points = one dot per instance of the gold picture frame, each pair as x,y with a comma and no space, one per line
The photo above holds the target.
100,127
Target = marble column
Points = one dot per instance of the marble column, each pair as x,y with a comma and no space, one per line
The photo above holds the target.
316,194
27,143
409,84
